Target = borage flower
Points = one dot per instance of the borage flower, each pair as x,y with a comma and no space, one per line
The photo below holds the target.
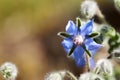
78,39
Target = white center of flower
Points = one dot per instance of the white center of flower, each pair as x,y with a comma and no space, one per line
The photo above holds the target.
78,40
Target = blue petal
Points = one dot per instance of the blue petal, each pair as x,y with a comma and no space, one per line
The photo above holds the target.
71,28
81,62
92,46
79,56
92,63
87,28
67,43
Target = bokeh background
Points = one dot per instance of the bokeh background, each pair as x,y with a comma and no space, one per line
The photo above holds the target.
28,34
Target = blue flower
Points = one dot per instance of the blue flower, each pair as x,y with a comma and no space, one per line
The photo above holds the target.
79,38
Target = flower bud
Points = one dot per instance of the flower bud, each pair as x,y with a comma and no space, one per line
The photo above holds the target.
90,76
117,4
116,53
104,67
89,8
53,76
9,71
60,75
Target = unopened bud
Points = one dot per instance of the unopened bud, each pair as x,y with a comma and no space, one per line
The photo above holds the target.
90,76
104,67
9,71
60,75
89,8
116,53
117,4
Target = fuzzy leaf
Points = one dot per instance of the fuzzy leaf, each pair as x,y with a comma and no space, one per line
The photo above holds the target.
117,55
108,30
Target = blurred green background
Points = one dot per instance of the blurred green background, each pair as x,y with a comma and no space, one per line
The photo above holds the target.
28,34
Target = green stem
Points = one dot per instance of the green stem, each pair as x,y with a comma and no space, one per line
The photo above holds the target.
87,62
72,77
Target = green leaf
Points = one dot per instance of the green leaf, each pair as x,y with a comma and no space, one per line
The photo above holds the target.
71,50
94,34
63,34
114,42
108,30
78,22
117,55
87,51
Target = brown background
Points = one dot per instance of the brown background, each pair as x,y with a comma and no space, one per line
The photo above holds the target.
28,34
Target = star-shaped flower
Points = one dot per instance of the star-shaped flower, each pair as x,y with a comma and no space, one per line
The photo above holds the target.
77,40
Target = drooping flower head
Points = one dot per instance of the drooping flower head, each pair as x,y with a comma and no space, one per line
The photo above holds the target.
90,76
104,67
53,76
117,4
89,8
9,71
60,75
78,39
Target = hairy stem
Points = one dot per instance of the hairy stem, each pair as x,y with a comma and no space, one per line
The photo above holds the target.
101,16
87,62
72,77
